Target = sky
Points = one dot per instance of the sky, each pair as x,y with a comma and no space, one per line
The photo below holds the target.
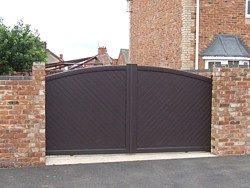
73,28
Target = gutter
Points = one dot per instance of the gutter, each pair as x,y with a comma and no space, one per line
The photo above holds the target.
197,34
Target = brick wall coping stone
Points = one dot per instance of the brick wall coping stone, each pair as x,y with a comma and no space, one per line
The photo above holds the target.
205,70
15,77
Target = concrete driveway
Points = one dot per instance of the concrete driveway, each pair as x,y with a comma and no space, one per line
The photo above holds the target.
203,172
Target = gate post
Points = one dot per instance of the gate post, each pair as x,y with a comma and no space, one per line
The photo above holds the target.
131,119
22,119
230,111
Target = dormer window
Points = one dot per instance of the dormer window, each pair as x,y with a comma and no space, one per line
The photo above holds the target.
248,8
227,51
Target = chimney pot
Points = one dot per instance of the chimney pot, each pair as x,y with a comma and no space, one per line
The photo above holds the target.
61,56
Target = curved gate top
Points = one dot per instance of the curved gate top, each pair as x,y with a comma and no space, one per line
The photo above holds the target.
124,109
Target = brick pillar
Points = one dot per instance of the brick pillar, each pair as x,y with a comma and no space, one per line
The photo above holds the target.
22,119
38,114
231,111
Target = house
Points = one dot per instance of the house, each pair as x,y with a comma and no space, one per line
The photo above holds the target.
180,34
52,57
123,58
101,59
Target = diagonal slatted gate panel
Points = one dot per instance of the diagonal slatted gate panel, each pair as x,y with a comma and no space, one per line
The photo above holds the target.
173,112
85,111
127,109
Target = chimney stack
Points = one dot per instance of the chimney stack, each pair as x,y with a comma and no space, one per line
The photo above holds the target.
102,50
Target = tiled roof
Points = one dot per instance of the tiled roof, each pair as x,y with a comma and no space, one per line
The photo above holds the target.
227,46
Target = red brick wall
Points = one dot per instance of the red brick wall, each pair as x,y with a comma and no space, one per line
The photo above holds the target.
22,120
155,33
222,16
231,111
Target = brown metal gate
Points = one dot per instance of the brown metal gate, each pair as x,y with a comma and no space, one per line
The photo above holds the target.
125,109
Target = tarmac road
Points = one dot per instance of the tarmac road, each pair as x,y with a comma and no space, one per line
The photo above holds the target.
189,173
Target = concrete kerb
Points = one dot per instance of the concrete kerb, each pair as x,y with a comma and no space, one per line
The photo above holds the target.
109,158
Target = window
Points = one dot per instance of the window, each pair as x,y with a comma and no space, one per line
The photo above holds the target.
248,8
210,64
244,64
233,64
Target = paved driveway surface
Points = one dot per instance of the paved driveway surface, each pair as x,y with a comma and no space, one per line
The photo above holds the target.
204,172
